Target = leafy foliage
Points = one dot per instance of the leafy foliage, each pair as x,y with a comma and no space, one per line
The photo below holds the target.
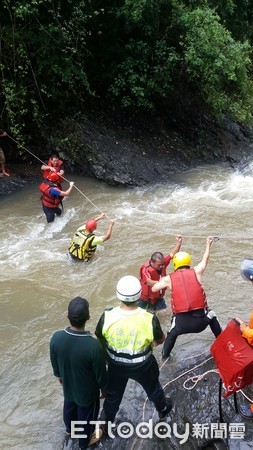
54,54
218,64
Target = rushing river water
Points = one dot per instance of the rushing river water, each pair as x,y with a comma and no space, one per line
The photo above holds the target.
38,280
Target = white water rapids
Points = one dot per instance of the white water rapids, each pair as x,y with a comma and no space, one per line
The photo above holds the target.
38,280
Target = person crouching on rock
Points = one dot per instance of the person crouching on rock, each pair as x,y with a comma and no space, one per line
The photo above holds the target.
52,196
188,299
84,243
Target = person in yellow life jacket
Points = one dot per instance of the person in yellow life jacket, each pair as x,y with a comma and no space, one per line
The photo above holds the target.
128,334
85,242
188,299
52,195
246,410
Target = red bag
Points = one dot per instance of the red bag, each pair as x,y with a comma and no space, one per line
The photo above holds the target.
234,358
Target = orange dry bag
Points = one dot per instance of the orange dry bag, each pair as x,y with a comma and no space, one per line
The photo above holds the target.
234,358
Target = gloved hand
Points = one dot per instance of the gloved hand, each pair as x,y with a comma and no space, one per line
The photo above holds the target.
71,183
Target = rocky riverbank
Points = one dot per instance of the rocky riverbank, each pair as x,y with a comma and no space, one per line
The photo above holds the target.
131,151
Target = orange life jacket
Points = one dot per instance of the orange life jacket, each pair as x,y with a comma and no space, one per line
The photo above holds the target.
51,201
187,294
57,168
146,293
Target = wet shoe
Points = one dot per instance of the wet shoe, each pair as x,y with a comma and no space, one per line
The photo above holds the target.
245,411
96,436
162,414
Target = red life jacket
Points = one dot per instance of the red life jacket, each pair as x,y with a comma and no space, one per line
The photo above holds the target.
187,294
51,201
57,168
146,293
234,358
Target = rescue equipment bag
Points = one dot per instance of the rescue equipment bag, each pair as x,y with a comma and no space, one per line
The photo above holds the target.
234,358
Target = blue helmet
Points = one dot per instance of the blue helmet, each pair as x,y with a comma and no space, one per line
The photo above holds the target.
247,269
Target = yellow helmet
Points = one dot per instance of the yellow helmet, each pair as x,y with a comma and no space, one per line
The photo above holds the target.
181,259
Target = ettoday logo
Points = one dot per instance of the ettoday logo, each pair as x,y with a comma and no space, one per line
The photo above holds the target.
162,430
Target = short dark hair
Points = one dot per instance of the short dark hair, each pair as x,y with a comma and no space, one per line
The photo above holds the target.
130,303
55,154
78,311
156,255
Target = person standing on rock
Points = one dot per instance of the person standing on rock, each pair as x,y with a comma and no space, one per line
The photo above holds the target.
150,273
78,362
188,299
85,242
128,334
2,156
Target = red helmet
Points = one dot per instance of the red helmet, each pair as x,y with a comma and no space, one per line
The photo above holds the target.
54,177
91,225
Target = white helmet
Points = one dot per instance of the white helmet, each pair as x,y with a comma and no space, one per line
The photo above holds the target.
128,289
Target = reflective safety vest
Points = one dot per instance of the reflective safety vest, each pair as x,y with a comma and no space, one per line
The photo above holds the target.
128,335
187,294
81,247
57,168
146,292
51,201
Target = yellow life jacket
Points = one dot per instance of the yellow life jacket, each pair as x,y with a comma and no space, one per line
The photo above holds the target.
129,336
81,247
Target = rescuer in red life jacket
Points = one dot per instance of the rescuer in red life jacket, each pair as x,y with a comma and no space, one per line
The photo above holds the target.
52,196
54,165
188,299
151,272
246,410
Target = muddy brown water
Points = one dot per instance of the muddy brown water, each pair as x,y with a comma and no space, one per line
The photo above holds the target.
38,280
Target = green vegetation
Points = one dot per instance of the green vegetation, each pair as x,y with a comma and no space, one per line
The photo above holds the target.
55,54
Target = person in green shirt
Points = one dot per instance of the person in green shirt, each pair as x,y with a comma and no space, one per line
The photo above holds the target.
78,362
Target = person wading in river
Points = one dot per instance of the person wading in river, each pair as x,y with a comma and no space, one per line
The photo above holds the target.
52,196
150,273
85,242
188,299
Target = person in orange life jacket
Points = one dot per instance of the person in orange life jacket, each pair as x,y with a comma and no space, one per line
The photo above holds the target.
84,243
150,273
54,165
52,196
128,334
246,410
188,299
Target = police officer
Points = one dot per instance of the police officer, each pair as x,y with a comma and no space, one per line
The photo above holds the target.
128,334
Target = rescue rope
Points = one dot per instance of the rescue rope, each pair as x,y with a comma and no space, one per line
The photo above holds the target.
215,238
42,162
176,378
244,395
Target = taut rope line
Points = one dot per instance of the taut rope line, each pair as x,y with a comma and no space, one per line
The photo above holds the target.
65,179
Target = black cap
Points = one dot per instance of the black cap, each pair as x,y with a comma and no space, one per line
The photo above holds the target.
78,309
